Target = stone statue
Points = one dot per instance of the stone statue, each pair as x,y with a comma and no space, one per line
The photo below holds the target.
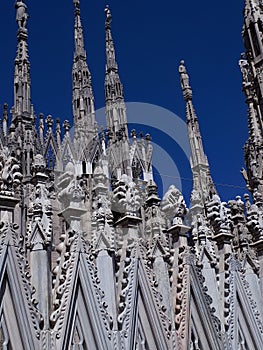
39,164
10,175
108,15
184,75
21,14
245,70
173,204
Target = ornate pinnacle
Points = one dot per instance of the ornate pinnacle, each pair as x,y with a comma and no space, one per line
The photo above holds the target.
203,185
184,78
22,98
82,94
110,51
113,86
78,32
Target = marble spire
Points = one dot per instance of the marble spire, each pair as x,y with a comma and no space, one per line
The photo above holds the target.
82,93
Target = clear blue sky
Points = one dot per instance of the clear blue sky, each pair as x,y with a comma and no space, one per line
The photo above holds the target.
151,38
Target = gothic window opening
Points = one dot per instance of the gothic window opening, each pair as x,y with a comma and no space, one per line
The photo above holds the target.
95,160
119,88
67,157
137,172
84,167
88,105
113,181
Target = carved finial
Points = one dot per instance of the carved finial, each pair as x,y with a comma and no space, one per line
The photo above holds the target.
66,126
21,14
49,121
133,134
148,137
57,124
152,193
108,16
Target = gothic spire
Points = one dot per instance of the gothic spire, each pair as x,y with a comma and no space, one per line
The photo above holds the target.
22,83
251,65
111,64
83,98
203,186
78,31
115,106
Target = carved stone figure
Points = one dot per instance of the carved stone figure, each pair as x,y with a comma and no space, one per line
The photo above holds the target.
245,70
184,76
21,14
10,172
108,15
39,164
173,205
70,190
126,197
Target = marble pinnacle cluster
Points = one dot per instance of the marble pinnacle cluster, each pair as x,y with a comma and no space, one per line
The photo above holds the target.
90,256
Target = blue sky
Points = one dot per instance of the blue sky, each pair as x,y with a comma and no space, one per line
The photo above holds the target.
151,37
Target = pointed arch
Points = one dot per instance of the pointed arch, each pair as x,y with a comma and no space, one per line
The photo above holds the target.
17,328
149,327
84,321
204,334
51,151
67,153
249,318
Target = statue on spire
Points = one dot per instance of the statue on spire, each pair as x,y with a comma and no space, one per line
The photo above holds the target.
108,15
184,79
21,14
184,76
76,4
